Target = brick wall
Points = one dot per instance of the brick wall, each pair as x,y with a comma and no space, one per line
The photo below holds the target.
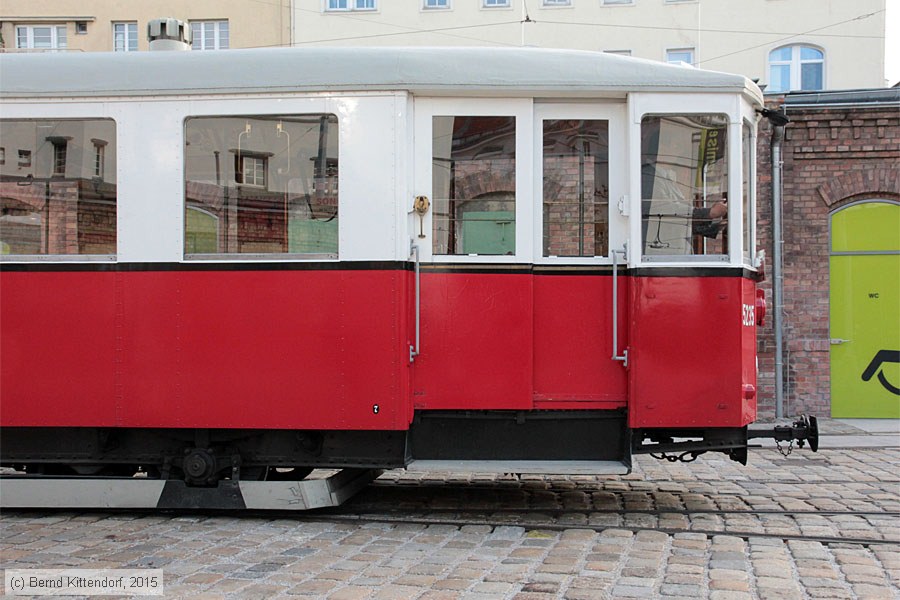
833,156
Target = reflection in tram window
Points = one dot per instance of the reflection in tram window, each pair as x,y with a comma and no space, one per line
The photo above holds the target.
261,185
474,185
684,185
53,199
576,187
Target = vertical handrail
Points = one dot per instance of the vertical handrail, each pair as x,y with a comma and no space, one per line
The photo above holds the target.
415,350
615,307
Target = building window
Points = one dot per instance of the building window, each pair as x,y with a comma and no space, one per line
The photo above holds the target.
80,27
41,37
99,158
495,3
435,4
684,186
280,198
678,56
250,169
55,207
209,35
473,173
605,2
2,156
60,148
796,68
125,37
618,52
557,2
336,5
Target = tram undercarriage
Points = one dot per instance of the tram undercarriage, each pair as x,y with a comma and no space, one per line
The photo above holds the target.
268,469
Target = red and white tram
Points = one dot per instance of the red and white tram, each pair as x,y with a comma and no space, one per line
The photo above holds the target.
228,268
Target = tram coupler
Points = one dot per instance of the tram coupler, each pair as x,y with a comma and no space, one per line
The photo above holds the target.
805,429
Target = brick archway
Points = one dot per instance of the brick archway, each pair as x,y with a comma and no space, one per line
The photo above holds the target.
871,183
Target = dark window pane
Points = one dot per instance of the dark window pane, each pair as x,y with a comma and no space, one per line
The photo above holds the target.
684,184
576,188
53,201
261,185
474,185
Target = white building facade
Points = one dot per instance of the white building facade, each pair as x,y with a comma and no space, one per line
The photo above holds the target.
784,44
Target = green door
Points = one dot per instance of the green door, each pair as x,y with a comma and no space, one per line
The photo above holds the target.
865,311
489,232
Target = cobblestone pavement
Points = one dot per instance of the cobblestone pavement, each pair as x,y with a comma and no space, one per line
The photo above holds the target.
624,556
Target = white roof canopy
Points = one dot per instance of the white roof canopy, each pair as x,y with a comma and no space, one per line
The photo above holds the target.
438,71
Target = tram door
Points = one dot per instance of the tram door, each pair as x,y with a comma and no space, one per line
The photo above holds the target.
865,311
516,274
579,178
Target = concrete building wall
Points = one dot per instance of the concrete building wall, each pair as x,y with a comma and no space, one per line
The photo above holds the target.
250,24
724,35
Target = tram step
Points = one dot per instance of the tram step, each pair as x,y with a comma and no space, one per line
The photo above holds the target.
138,493
531,467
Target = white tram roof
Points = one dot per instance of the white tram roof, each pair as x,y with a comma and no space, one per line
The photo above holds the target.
420,70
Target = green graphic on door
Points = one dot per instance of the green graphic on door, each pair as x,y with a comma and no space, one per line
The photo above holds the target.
865,311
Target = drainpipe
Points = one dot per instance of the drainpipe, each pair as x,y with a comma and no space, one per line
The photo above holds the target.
777,266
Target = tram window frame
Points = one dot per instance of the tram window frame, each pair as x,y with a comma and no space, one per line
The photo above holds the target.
87,228
612,116
748,193
490,196
683,210
272,221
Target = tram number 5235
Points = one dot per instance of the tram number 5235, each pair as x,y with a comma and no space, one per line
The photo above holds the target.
748,317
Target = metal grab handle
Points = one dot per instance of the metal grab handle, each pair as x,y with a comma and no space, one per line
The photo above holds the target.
414,351
615,307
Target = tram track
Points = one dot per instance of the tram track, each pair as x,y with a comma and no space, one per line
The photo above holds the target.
408,519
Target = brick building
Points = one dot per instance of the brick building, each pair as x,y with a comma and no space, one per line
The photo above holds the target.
841,149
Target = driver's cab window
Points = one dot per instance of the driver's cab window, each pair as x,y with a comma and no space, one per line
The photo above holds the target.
684,186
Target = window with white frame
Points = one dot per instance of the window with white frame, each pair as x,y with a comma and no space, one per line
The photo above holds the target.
495,3
435,4
125,37
281,196
41,37
610,2
677,56
336,5
796,67
209,35
250,169
60,153
474,185
557,2
619,52
99,158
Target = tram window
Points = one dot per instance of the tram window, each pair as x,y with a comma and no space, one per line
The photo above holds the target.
748,171
684,185
261,185
576,187
56,202
474,185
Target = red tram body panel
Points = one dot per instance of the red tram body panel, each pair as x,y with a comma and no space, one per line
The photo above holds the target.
173,348
692,347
